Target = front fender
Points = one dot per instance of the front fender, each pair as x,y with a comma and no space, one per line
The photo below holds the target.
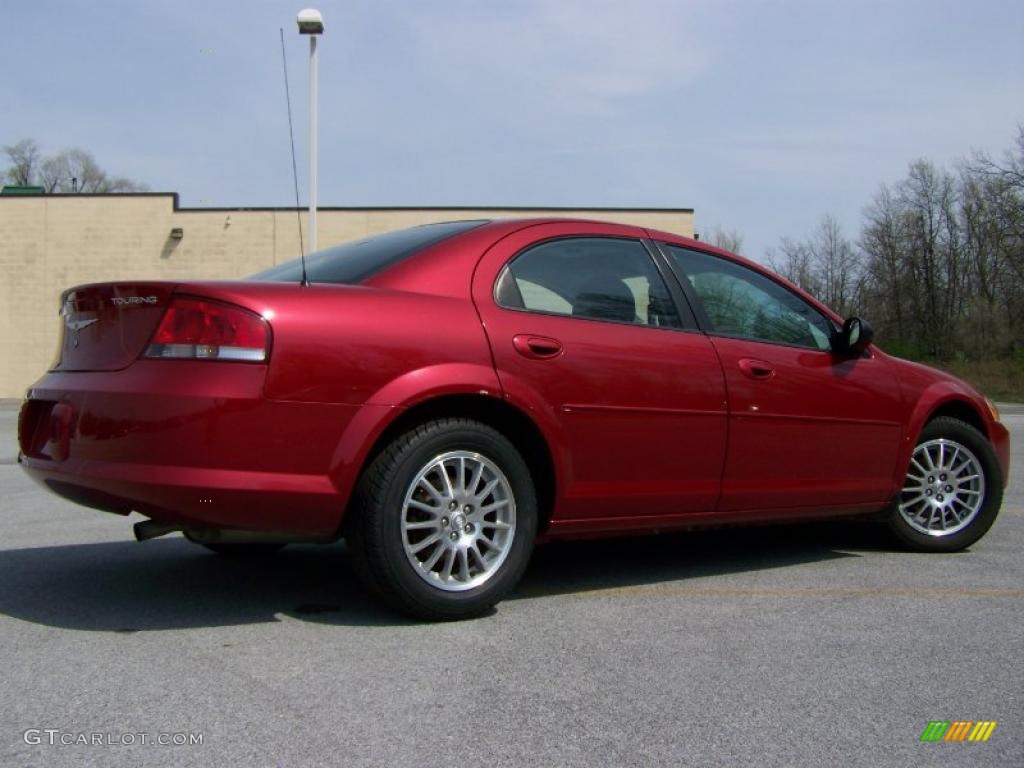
931,399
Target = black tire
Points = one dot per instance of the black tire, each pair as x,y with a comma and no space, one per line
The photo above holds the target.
240,549
964,434
374,526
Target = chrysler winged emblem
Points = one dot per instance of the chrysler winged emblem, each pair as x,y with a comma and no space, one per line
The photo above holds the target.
77,325
74,325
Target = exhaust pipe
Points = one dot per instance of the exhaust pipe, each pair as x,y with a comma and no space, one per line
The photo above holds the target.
150,529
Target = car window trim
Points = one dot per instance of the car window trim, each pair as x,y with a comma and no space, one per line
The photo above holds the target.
685,287
684,306
706,326
683,312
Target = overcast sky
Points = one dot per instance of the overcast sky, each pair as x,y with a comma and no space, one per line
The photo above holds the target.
762,116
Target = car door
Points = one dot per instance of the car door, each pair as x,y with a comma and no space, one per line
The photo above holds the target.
807,427
583,327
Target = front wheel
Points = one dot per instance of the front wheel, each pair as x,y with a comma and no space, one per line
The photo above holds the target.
952,491
444,519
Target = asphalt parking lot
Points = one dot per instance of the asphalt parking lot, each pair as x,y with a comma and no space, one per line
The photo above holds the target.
814,645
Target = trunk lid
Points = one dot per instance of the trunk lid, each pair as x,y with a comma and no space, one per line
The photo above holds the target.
105,326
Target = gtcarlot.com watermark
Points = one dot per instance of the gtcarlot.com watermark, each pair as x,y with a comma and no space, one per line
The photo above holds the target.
58,737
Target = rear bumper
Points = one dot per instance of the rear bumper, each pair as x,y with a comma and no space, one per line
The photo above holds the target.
192,444
195,497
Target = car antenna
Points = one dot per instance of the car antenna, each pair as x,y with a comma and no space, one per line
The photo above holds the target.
295,172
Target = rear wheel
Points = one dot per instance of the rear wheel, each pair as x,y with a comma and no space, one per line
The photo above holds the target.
952,491
443,521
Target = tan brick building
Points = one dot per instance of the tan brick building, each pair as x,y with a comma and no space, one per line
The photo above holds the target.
52,242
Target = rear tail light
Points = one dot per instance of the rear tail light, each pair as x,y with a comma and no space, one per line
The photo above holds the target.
195,329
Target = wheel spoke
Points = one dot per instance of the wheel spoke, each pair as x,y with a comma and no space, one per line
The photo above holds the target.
430,562
424,507
447,480
952,459
491,507
927,456
488,489
428,486
475,482
479,557
962,503
449,561
461,477
957,470
420,525
421,545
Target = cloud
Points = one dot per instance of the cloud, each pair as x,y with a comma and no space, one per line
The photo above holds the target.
573,53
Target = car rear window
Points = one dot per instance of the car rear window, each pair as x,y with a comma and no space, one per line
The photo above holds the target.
359,260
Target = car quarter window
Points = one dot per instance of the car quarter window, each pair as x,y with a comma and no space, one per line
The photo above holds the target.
741,302
596,278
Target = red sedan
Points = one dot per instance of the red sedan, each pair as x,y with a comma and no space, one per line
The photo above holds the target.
443,396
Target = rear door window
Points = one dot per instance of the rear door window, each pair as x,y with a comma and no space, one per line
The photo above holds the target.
593,278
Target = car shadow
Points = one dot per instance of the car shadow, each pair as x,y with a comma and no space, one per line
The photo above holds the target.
581,566
127,587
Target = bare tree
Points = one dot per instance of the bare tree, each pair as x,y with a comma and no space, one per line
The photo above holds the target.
1003,184
827,265
76,170
882,240
993,218
70,170
726,239
838,266
795,262
945,259
24,161
938,266
1010,170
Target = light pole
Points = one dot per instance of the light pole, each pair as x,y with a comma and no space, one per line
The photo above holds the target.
312,23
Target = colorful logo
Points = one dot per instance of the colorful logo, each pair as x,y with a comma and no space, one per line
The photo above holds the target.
958,730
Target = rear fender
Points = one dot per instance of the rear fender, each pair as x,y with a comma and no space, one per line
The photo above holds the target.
425,384
390,401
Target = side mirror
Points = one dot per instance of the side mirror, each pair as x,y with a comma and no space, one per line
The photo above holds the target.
854,337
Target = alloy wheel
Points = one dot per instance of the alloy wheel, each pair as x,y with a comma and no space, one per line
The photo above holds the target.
944,489
458,520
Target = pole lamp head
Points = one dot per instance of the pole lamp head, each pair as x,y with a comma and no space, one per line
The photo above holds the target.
310,22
